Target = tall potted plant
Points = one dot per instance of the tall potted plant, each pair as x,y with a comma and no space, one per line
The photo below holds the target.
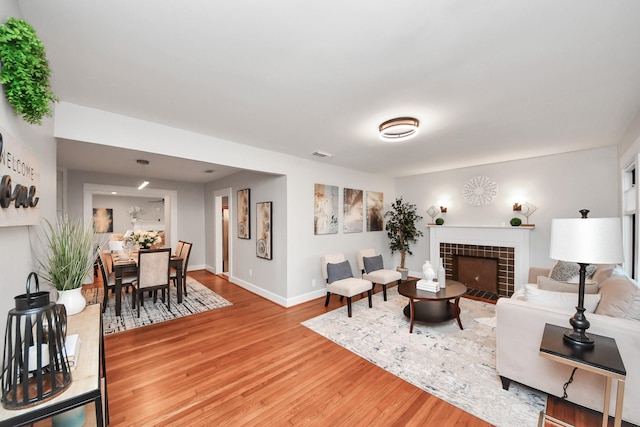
402,231
67,256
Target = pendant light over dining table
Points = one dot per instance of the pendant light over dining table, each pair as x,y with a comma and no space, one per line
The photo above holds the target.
143,163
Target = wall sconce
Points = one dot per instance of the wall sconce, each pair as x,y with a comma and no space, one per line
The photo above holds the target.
443,209
517,207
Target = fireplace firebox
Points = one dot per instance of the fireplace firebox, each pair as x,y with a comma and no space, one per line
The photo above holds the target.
486,269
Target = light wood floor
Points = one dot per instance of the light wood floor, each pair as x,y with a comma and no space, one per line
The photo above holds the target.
254,364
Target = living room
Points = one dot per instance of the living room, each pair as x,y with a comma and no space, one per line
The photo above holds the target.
559,184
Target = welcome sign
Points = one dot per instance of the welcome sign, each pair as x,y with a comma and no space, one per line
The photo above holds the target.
20,174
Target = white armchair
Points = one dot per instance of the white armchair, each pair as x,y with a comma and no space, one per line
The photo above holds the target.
336,270
372,269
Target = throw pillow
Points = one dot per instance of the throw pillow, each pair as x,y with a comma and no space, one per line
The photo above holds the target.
569,272
562,300
548,284
603,272
618,294
339,271
372,263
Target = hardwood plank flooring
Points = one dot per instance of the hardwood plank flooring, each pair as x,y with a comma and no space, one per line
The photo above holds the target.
253,364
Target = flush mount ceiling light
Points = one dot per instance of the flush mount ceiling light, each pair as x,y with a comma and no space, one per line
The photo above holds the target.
399,129
142,164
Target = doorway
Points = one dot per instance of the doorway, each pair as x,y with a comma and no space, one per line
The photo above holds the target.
225,235
222,231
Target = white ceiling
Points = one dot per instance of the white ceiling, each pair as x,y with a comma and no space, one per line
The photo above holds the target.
489,80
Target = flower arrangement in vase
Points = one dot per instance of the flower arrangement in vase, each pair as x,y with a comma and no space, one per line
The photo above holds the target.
146,239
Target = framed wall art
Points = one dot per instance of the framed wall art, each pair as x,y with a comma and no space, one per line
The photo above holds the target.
103,220
375,214
325,212
263,230
243,214
353,210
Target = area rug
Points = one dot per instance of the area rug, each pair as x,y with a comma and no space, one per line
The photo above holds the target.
453,365
198,299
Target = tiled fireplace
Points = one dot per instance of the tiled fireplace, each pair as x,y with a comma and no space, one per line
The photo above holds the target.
483,268
495,259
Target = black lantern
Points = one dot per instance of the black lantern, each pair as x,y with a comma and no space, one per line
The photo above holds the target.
34,366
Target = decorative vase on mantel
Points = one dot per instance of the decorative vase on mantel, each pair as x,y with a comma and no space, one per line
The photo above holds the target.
73,300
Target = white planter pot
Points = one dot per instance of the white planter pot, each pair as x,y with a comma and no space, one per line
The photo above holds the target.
73,301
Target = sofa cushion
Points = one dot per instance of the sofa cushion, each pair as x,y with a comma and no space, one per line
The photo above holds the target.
618,297
562,300
564,271
372,263
338,271
603,272
548,284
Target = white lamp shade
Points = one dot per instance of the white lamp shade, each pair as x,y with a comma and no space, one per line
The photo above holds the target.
587,240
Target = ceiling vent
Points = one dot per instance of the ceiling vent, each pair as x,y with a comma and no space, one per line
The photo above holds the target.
322,154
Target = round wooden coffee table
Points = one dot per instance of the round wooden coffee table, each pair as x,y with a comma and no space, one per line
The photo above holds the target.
432,307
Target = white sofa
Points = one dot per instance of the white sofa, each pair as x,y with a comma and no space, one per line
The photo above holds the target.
520,324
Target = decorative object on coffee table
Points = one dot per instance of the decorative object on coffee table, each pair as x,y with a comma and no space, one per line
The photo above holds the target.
585,241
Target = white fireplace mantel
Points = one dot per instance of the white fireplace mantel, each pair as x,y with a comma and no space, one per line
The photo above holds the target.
510,237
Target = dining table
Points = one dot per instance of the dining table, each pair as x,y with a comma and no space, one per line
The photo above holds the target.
129,265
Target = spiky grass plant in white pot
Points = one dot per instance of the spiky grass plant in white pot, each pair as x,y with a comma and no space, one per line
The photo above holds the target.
67,255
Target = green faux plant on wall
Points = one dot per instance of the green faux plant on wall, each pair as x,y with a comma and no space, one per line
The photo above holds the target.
25,71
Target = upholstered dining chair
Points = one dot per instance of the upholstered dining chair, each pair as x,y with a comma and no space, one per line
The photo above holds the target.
109,278
336,270
153,275
184,253
373,270
178,251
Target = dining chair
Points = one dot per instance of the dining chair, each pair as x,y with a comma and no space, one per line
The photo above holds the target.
178,248
153,275
340,281
184,254
109,279
372,269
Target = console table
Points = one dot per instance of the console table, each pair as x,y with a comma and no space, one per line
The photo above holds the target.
88,379
603,359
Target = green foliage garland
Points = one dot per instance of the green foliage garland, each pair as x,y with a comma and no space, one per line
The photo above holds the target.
25,71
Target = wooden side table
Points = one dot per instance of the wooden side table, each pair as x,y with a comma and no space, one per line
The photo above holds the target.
603,359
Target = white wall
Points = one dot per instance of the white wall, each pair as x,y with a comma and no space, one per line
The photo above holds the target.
17,260
558,185
303,249
120,206
190,202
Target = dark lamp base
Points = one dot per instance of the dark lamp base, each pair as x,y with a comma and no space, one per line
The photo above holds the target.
576,338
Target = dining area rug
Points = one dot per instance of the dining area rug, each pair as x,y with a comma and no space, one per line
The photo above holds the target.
457,366
198,299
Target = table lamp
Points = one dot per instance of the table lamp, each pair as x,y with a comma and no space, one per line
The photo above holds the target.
585,241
